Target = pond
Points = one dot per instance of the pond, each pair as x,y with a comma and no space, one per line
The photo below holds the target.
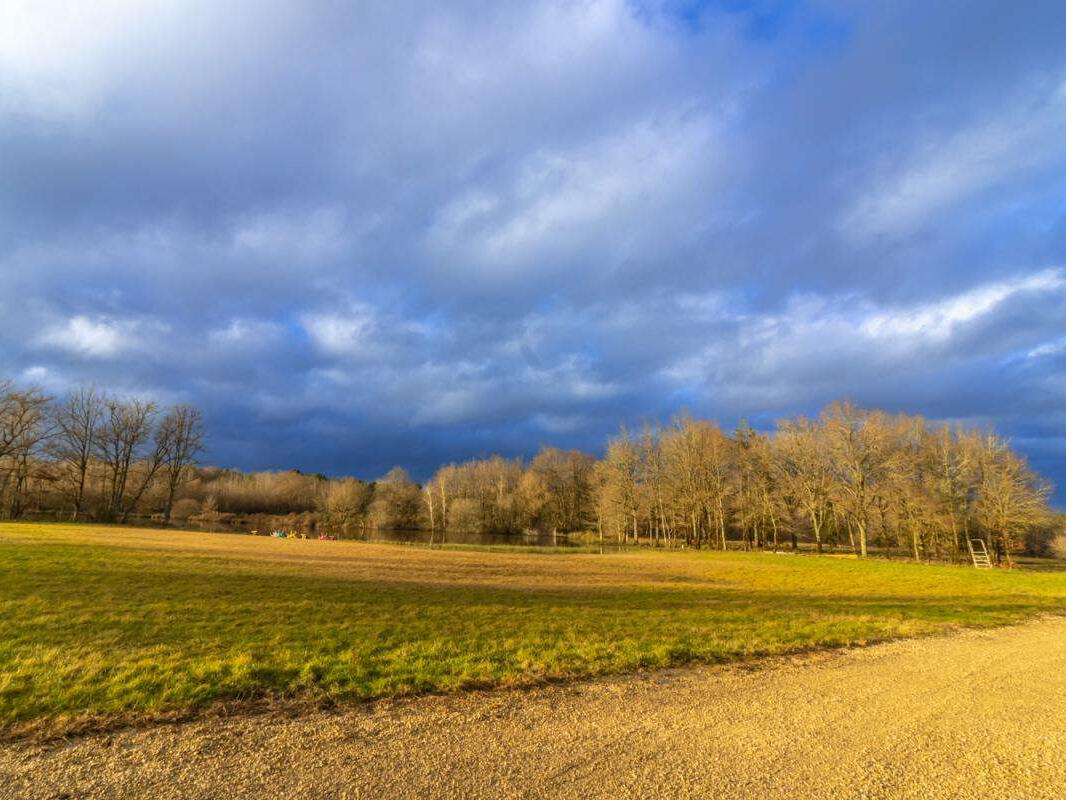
472,538
528,539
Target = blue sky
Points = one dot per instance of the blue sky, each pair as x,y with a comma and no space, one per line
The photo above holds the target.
360,235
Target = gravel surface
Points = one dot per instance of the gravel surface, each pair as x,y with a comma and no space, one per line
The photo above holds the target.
975,715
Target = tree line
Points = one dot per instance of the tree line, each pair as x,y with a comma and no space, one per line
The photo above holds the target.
852,478
864,479
92,454
860,479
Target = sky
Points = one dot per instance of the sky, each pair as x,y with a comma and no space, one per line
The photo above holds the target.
365,234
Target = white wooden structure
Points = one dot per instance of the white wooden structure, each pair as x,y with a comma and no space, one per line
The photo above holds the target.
979,553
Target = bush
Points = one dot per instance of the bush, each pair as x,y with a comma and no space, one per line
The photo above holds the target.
463,515
1039,542
185,508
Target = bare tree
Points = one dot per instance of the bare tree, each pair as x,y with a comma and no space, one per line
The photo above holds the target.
439,493
147,467
565,482
344,503
23,428
802,461
757,500
951,462
619,481
894,482
125,430
859,453
397,503
1011,497
22,417
181,435
77,423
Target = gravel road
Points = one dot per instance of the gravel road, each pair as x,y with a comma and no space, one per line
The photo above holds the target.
974,715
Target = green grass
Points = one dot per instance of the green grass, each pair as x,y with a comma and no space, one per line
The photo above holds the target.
101,624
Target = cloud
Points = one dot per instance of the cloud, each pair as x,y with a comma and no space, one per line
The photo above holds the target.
100,337
1046,349
948,167
815,348
390,234
562,203
305,237
247,334
937,321
347,334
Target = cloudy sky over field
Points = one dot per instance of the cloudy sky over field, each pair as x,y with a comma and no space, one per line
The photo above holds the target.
365,234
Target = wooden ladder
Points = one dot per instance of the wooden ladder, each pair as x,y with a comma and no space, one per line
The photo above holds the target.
979,553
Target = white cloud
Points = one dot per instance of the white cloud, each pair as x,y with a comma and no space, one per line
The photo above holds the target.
945,168
350,333
937,321
1048,349
600,194
54,54
815,342
544,47
467,392
67,59
246,333
100,337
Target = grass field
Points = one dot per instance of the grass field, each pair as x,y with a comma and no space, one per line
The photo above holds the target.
105,624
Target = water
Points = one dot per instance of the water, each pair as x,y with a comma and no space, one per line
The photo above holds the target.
527,539
471,538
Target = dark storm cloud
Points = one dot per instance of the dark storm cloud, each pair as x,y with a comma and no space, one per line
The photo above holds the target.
414,233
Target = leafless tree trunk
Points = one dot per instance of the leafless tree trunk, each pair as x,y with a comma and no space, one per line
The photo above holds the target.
24,426
77,421
126,428
181,436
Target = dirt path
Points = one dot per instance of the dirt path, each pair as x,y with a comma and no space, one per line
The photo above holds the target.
977,715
